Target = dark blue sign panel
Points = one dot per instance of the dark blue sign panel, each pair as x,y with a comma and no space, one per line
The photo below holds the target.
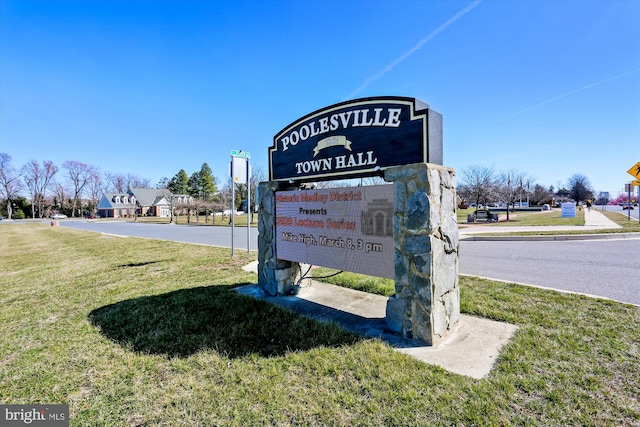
357,138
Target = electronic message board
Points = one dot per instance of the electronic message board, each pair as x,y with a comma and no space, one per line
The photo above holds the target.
348,229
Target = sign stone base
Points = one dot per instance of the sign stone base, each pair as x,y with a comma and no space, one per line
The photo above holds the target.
426,304
427,301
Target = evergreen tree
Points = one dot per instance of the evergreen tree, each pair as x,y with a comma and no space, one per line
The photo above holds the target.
208,185
179,184
194,185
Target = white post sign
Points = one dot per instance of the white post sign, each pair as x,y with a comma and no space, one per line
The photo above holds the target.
240,169
346,229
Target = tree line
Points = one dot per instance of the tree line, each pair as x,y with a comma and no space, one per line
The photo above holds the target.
76,187
482,185
202,185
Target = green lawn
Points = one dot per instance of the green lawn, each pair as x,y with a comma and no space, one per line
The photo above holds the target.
240,220
629,225
133,332
524,218
555,218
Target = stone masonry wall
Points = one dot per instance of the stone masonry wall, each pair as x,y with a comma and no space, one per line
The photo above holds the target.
427,300
275,277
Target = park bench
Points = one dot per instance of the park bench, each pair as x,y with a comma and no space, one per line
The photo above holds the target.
484,215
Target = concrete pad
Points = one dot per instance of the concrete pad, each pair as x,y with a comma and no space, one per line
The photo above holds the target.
471,349
251,267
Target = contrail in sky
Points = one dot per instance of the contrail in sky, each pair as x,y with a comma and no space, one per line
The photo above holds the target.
414,49
568,93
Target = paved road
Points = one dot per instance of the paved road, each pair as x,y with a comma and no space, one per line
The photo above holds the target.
204,235
606,268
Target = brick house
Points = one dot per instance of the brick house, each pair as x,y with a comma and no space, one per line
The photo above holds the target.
136,201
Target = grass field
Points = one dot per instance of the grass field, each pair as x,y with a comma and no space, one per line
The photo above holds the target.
628,225
555,218
239,221
525,218
137,332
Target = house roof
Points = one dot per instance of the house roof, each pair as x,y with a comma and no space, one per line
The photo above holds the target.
151,196
108,201
143,197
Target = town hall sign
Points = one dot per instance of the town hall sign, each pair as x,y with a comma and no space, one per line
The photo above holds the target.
355,139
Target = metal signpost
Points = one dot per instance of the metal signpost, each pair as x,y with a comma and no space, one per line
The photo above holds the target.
240,174
634,172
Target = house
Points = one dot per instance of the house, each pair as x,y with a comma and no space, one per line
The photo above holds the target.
137,201
116,205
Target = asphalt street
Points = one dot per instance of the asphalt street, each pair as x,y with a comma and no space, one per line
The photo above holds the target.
203,235
603,268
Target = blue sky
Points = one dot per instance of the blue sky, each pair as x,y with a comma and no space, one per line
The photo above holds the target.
551,88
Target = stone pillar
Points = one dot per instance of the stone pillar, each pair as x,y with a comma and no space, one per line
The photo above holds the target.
275,277
427,300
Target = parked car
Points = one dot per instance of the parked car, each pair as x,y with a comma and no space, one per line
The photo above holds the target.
58,216
546,207
2,217
627,206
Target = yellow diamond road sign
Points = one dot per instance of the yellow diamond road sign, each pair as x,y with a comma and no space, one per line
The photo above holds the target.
635,171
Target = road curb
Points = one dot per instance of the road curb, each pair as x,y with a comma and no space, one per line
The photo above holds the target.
552,237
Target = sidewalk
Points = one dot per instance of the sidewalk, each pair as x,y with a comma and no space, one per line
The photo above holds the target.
593,219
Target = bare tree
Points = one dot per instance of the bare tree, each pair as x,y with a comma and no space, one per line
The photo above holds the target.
60,197
510,187
477,183
185,208
38,178
541,195
94,186
10,184
580,188
135,181
121,183
163,183
202,206
79,175
225,196
373,180
115,182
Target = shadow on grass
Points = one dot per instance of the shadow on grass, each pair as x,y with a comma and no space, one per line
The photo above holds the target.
183,322
137,264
